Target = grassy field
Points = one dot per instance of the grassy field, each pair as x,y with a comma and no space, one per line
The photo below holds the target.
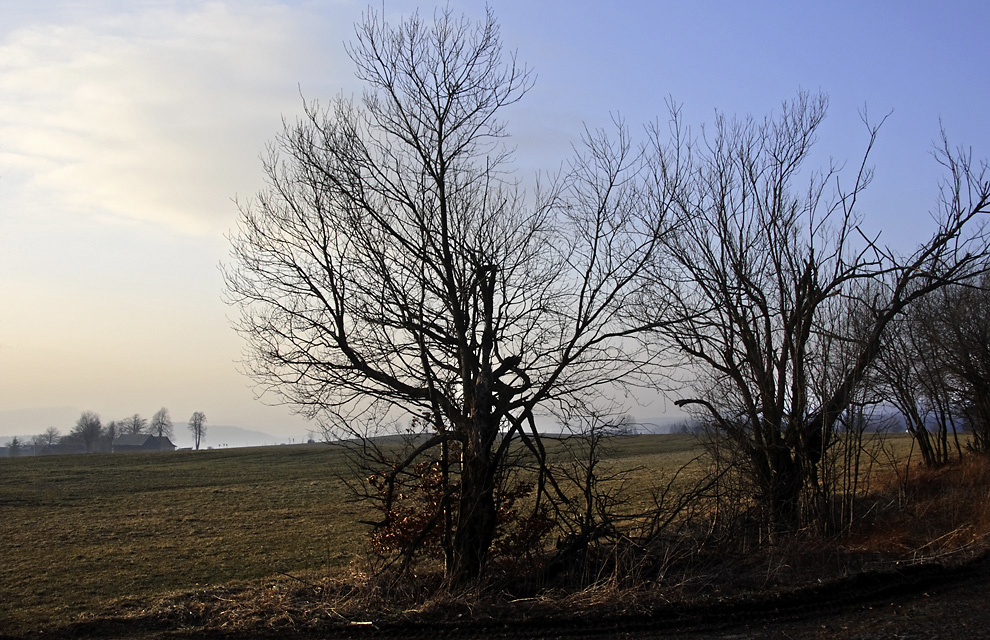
89,533
81,532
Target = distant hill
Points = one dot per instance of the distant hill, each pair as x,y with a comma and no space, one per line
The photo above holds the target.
219,436
882,419
660,424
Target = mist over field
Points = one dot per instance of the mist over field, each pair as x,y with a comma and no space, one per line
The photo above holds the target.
26,423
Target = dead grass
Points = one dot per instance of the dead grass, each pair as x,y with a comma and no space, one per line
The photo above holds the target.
84,535
82,531
265,540
921,513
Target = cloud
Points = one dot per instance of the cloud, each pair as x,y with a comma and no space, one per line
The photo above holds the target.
156,115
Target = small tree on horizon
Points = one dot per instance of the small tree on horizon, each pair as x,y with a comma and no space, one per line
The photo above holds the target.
88,429
161,424
112,432
49,436
134,425
197,425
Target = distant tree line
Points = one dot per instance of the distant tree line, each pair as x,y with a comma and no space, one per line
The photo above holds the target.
91,435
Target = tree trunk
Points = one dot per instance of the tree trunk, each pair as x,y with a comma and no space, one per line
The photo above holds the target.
784,492
476,515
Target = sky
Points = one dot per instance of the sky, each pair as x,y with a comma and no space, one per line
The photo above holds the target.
129,128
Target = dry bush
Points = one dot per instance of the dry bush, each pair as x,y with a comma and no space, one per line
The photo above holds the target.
916,515
925,512
419,509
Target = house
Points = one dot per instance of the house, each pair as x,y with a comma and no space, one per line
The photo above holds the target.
142,442
62,448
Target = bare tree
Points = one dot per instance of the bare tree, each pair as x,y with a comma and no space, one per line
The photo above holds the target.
111,432
963,335
161,424
133,425
946,361
756,273
49,436
197,425
913,369
394,266
88,429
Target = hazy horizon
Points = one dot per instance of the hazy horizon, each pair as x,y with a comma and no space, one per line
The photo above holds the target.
26,423
31,422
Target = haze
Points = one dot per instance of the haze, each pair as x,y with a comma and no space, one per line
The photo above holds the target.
127,129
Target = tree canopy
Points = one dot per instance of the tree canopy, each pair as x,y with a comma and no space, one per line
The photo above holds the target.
395,267
395,262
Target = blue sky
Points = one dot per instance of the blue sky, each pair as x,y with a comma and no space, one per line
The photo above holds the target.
127,128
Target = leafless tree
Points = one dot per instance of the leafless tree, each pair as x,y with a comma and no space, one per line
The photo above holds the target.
197,425
50,436
161,424
765,252
395,267
912,367
88,429
964,335
133,425
857,439
111,432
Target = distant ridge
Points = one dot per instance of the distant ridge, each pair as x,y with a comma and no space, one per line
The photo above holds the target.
219,436
660,424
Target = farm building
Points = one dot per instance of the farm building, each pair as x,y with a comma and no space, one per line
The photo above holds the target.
142,442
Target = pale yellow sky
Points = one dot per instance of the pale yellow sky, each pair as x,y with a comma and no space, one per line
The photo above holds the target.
124,135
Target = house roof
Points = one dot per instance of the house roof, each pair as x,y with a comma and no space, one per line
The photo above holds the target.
132,440
143,440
